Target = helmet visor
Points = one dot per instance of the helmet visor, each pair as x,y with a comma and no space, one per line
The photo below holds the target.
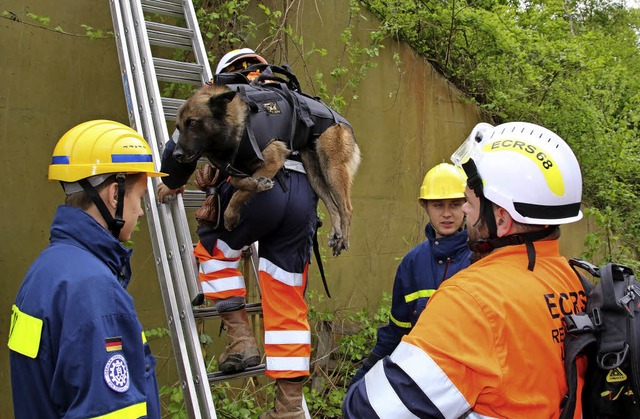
464,152
470,148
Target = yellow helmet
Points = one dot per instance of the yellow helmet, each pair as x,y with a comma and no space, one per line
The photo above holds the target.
99,147
444,181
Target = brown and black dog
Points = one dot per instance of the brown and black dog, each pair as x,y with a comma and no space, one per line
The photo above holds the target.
212,123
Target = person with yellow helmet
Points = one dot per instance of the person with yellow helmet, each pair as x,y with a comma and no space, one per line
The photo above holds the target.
490,342
427,265
77,348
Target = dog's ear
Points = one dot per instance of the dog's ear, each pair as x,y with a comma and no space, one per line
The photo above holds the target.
218,103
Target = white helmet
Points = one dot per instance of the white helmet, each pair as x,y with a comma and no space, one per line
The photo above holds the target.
237,55
526,169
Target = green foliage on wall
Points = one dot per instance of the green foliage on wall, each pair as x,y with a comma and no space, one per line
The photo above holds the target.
571,66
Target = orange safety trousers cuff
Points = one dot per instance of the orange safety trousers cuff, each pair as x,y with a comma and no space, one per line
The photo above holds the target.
287,333
218,273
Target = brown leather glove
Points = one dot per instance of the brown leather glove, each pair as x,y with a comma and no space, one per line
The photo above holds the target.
207,180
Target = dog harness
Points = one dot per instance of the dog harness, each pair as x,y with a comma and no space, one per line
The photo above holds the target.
278,113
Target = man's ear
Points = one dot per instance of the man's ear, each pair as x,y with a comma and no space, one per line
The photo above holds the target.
504,222
110,195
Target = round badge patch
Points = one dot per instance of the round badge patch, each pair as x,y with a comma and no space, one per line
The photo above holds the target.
116,373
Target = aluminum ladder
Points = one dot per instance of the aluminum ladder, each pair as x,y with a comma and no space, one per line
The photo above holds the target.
170,233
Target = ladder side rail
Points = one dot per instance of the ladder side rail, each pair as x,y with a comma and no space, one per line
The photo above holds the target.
183,347
181,224
155,230
184,334
177,232
125,64
198,44
164,269
188,341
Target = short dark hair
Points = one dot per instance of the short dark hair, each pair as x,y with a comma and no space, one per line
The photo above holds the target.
83,200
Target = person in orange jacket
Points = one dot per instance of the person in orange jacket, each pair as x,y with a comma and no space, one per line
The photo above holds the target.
489,344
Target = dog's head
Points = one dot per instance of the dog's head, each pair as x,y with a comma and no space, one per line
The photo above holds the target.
210,124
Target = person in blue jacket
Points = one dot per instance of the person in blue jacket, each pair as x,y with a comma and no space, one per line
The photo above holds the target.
78,349
427,265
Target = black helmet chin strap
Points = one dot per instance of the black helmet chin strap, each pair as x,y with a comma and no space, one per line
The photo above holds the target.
487,245
114,224
483,246
474,181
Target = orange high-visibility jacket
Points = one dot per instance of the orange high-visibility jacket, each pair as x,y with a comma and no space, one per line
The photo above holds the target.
489,345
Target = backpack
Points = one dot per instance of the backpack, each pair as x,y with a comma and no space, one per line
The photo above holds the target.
311,117
608,333
264,73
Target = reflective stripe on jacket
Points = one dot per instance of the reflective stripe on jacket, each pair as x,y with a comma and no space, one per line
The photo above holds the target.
489,344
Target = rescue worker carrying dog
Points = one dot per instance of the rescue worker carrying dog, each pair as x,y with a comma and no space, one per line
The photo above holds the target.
427,265
283,221
489,343
78,349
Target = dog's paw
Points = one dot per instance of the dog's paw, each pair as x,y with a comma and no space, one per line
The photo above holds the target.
231,220
263,184
337,243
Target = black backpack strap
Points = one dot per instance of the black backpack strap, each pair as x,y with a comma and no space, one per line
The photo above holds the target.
229,78
609,298
574,344
274,73
614,347
253,107
579,335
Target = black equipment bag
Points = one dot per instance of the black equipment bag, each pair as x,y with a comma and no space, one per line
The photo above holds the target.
264,73
608,333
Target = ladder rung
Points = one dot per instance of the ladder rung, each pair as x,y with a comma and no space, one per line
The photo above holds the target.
209,312
178,71
193,198
216,377
164,7
170,107
169,36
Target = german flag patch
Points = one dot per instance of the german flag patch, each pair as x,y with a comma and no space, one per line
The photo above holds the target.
113,344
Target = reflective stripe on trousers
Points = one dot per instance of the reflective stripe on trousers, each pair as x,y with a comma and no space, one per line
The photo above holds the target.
218,273
287,333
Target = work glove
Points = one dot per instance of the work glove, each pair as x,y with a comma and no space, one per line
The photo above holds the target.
367,364
207,179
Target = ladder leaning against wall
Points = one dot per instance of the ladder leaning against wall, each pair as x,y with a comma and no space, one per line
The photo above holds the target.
137,29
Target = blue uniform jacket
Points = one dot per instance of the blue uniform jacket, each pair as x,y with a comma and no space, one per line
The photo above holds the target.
420,273
92,358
